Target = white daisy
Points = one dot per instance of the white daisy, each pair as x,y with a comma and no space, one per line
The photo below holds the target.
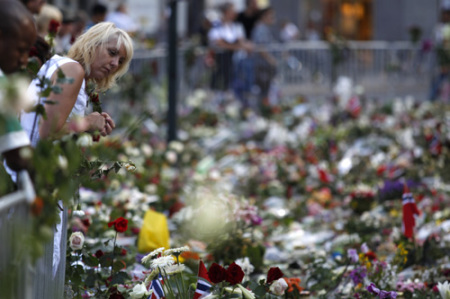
174,269
161,262
152,254
176,251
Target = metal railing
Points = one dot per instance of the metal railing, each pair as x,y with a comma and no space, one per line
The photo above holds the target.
389,68
15,274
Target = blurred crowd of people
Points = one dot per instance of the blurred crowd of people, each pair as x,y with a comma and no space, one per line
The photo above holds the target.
72,24
244,67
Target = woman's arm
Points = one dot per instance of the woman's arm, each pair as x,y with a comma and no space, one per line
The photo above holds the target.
62,103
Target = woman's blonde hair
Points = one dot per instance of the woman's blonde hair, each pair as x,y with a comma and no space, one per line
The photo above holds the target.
86,46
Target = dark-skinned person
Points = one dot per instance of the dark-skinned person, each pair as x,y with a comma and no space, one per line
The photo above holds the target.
17,36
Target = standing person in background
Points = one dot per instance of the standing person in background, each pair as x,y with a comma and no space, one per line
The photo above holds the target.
72,26
47,14
442,45
98,14
17,35
249,17
122,20
265,63
289,32
63,39
225,39
33,6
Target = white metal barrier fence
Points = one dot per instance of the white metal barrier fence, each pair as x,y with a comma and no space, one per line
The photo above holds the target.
15,274
390,68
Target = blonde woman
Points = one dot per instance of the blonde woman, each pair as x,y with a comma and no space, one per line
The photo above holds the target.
101,55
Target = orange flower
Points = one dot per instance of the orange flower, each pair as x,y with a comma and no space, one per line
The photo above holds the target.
37,206
293,282
190,255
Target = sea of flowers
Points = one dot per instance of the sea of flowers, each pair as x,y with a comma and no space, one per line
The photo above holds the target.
302,199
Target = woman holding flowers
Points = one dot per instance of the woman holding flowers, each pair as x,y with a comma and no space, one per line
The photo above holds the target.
98,58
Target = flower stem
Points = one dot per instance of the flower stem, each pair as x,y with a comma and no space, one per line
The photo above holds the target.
167,283
114,250
185,291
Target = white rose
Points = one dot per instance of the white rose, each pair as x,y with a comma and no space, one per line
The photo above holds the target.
278,287
62,162
176,146
151,189
139,291
171,157
76,241
146,150
79,213
84,140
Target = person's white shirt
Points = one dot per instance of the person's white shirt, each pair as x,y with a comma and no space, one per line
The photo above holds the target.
228,32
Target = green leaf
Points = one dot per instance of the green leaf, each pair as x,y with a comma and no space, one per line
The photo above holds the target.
119,278
118,265
90,260
106,260
117,167
33,65
56,89
260,291
49,102
90,280
65,80
40,110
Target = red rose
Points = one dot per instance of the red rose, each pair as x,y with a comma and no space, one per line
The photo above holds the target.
120,224
86,222
114,293
98,254
123,252
53,26
234,274
274,274
371,256
94,98
217,273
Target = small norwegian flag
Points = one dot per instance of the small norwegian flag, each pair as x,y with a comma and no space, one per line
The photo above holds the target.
409,212
354,106
435,146
156,286
204,284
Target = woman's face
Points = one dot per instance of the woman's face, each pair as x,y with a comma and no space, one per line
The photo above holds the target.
108,60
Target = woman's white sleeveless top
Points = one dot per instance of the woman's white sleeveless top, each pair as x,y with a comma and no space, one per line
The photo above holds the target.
27,120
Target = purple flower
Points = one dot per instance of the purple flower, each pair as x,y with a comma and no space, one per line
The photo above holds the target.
352,255
381,293
357,275
364,248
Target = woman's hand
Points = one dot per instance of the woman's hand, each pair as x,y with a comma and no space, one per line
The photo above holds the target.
96,122
109,124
